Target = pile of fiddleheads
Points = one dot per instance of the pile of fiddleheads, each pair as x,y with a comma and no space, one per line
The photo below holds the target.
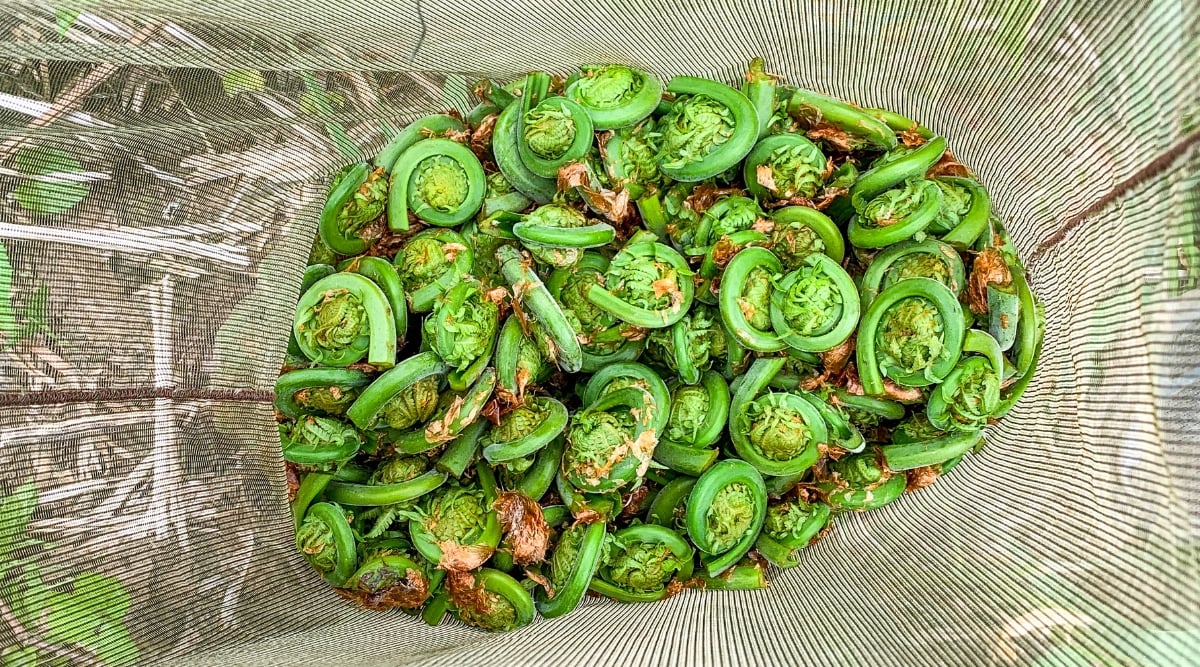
620,337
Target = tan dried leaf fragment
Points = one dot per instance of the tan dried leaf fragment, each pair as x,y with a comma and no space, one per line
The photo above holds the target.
572,175
450,250
541,580
481,138
948,166
664,286
912,137
439,431
902,394
643,450
765,176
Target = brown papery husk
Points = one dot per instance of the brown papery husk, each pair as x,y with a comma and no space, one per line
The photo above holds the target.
408,595
456,557
293,481
481,138
988,268
631,506
464,594
919,478
833,136
525,528
705,195
948,166
835,360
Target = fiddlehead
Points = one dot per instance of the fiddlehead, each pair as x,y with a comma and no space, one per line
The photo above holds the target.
895,215
777,433
552,132
790,526
506,139
435,125
615,96
456,527
492,601
913,259
519,362
860,482
647,284
502,196
725,511
745,299
710,127
574,562
326,542
640,562
398,479
784,166
328,391
319,443
462,328
560,342
402,397
697,420
382,273
726,216
964,213
610,442
970,394
455,412
438,180
859,128
916,443
816,307
912,333
390,581
897,166
525,430
680,220
631,374
356,198
630,159
867,412
430,263
557,234
799,231
343,318
689,346
669,507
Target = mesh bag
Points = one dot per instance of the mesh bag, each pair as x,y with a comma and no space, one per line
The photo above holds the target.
141,328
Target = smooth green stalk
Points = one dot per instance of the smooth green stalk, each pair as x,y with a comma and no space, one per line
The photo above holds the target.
560,338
